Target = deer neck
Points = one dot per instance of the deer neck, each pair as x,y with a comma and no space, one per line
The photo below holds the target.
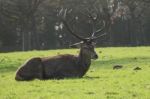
84,60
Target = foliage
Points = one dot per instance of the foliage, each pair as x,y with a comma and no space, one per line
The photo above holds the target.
29,24
101,81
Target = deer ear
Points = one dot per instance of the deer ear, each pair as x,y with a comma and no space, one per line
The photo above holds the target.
76,45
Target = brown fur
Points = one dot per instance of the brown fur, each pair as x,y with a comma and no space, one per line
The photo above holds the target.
57,67
30,70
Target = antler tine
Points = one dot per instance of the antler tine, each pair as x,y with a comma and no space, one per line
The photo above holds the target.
94,38
65,13
99,30
76,44
67,25
60,12
90,15
94,20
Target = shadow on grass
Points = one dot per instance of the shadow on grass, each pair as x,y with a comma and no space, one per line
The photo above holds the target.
91,78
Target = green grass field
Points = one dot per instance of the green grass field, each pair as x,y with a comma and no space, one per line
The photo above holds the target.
100,82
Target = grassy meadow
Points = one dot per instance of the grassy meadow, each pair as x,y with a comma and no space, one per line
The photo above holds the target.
100,82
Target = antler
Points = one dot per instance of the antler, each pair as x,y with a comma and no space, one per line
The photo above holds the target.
64,12
94,20
94,38
99,30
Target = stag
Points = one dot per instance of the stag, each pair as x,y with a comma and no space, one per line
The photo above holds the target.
61,66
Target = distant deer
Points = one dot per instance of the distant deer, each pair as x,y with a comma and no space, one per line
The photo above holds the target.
61,66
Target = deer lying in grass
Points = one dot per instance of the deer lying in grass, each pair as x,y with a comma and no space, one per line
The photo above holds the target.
61,66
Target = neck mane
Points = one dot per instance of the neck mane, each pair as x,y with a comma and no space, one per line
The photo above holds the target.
84,61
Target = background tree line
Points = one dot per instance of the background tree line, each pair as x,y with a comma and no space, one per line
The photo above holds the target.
35,24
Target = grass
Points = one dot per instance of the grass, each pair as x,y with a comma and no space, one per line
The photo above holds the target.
100,82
